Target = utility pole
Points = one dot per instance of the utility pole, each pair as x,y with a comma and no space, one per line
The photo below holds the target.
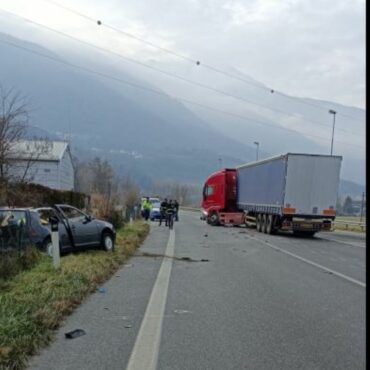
333,112
220,160
257,148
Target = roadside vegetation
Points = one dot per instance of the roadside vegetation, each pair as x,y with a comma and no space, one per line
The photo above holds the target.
34,302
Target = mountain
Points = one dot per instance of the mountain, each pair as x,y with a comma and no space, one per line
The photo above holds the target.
149,135
350,188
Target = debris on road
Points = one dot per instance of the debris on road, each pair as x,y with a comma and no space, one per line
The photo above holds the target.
75,333
128,326
101,290
181,311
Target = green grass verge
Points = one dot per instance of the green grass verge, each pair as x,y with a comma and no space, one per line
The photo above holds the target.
34,303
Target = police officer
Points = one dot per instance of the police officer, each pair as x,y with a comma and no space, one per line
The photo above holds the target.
147,206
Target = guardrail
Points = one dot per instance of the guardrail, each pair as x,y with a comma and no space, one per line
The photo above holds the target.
362,225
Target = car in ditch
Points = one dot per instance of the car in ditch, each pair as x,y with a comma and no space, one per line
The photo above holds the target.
77,230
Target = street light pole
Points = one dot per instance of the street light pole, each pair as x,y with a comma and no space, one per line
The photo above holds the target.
333,112
257,147
220,160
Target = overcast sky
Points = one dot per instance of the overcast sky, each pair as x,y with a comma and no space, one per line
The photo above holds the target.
304,48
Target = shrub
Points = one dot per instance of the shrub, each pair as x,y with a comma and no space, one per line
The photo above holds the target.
116,219
14,261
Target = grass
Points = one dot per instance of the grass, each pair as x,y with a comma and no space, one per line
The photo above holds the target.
34,302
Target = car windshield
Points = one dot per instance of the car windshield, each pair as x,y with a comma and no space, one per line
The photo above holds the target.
12,217
156,203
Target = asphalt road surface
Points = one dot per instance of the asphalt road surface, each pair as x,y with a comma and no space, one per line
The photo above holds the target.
255,302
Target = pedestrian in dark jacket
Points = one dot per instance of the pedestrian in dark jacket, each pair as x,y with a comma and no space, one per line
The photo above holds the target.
163,209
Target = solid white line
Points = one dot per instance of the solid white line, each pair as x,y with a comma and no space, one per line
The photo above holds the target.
336,273
144,355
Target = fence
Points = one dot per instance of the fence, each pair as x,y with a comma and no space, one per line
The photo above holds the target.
348,224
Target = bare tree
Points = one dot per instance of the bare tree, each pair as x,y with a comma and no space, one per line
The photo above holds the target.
131,192
13,124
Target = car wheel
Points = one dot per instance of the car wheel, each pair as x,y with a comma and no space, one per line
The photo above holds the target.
107,242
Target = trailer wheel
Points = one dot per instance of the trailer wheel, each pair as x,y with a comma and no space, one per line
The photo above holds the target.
258,223
270,224
264,223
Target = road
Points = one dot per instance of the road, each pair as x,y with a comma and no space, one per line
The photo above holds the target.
255,302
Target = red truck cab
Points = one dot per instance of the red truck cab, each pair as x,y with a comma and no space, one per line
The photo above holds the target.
219,198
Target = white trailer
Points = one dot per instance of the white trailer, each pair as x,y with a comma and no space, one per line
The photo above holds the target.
293,191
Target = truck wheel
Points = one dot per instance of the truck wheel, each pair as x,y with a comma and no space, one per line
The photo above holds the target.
270,222
264,223
213,219
258,223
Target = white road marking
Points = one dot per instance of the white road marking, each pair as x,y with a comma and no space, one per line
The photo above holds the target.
344,242
144,355
336,273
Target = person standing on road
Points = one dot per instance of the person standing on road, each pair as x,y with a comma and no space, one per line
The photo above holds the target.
147,206
176,206
170,213
163,210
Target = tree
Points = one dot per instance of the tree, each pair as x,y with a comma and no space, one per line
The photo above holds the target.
95,176
130,191
102,176
348,205
13,125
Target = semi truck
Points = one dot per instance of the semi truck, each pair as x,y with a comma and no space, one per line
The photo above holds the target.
290,192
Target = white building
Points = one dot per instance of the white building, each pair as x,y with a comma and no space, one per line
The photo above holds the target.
47,163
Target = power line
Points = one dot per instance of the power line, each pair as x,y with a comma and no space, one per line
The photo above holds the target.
158,92
170,74
188,59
